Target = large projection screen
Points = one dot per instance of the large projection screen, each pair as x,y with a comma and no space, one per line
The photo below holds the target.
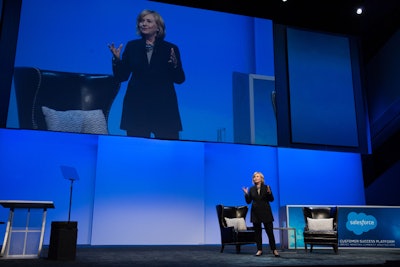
72,36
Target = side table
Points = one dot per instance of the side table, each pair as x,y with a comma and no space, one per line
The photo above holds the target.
287,229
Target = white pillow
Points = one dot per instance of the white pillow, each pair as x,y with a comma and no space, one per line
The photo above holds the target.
94,122
239,224
76,121
320,224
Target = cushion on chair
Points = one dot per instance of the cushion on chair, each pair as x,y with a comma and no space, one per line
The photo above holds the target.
239,224
320,224
76,121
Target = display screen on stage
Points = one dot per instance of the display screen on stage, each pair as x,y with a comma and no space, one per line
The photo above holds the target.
358,226
70,39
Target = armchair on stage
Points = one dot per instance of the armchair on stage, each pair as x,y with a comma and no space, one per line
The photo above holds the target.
64,101
232,224
320,227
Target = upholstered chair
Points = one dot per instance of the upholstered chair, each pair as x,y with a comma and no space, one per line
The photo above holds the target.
233,228
320,227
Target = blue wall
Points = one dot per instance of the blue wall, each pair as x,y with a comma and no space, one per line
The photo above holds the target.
130,187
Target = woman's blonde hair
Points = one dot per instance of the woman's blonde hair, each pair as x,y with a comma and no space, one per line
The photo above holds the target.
261,175
158,19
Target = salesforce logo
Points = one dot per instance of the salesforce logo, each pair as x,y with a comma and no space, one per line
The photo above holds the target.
360,223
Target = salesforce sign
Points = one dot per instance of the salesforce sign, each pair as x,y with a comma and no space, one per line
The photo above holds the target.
358,226
359,223
369,226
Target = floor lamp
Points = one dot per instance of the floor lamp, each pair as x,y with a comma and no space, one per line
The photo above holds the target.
70,174
63,237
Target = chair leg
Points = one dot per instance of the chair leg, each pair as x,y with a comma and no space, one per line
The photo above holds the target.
335,248
237,249
305,246
222,248
311,247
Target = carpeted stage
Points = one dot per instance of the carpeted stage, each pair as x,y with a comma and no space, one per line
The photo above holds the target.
209,255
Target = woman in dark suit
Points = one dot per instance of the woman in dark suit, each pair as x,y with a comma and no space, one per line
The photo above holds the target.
153,65
260,195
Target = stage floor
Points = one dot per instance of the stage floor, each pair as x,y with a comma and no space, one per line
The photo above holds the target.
209,255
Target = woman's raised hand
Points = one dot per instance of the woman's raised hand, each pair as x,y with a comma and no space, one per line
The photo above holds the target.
172,58
245,190
116,51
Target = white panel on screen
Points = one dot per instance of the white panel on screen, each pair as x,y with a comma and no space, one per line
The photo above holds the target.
149,192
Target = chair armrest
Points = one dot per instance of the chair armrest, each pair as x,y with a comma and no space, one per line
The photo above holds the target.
228,229
228,234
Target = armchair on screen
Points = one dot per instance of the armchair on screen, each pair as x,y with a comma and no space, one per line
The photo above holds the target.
232,224
64,101
320,227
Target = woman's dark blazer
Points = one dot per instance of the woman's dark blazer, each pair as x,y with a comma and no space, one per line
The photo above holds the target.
150,101
260,207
